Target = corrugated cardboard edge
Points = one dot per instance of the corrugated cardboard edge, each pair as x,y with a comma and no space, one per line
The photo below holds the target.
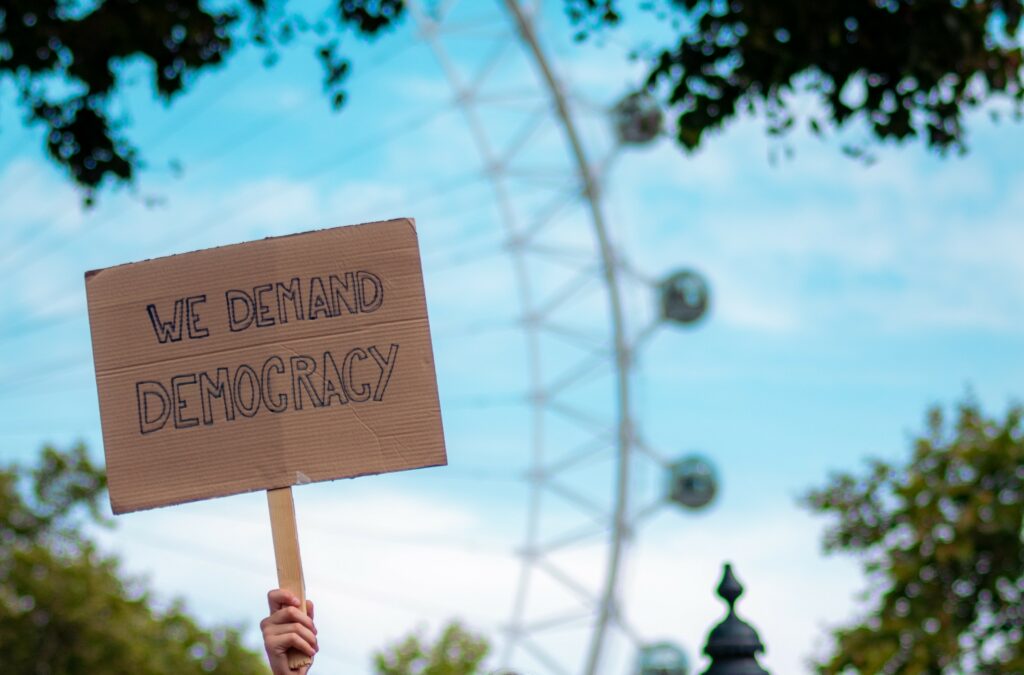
119,510
89,274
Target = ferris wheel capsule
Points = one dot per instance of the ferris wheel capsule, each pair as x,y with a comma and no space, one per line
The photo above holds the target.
638,119
684,297
662,658
693,482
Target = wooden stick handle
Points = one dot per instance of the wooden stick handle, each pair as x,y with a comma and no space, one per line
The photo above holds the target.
286,552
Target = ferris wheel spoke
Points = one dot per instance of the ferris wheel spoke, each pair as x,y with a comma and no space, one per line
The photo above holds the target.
439,10
467,258
578,373
558,621
569,289
545,565
491,61
635,274
563,255
551,212
584,341
431,193
44,389
37,323
573,537
459,247
655,456
511,98
590,508
449,332
625,627
70,427
542,174
533,124
645,512
487,401
586,420
488,28
16,378
583,452
646,333
586,105
541,655
603,167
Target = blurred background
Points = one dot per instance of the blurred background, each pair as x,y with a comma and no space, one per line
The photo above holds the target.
774,304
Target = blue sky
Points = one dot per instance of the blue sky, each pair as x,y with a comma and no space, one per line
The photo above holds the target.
846,300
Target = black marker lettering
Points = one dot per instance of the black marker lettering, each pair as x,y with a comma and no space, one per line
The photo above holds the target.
209,389
375,291
318,302
144,391
236,321
167,330
292,292
303,368
333,384
281,404
363,394
387,365
195,331
247,409
262,310
344,293
177,382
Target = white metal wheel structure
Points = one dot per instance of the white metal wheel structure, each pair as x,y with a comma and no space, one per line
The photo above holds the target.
568,615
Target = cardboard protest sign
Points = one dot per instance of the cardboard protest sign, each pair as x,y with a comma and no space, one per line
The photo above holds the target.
264,365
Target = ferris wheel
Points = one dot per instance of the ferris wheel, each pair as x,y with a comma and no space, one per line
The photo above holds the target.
583,334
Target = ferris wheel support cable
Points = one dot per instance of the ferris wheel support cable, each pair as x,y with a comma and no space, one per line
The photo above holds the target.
609,599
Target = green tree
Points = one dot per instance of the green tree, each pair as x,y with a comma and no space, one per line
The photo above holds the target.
907,68
67,609
457,651
942,544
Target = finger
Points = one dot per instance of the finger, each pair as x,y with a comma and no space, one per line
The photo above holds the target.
282,643
282,629
279,598
297,628
309,607
288,615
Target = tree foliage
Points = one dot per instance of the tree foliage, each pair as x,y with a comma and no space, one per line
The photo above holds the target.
457,651
908,68
942,540
66,58
66,608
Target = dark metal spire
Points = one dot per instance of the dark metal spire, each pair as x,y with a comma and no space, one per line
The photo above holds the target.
733,644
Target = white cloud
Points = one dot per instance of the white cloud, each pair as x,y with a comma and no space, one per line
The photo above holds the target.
913,242
37,195
379,563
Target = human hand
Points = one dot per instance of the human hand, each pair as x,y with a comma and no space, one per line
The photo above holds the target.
287,627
